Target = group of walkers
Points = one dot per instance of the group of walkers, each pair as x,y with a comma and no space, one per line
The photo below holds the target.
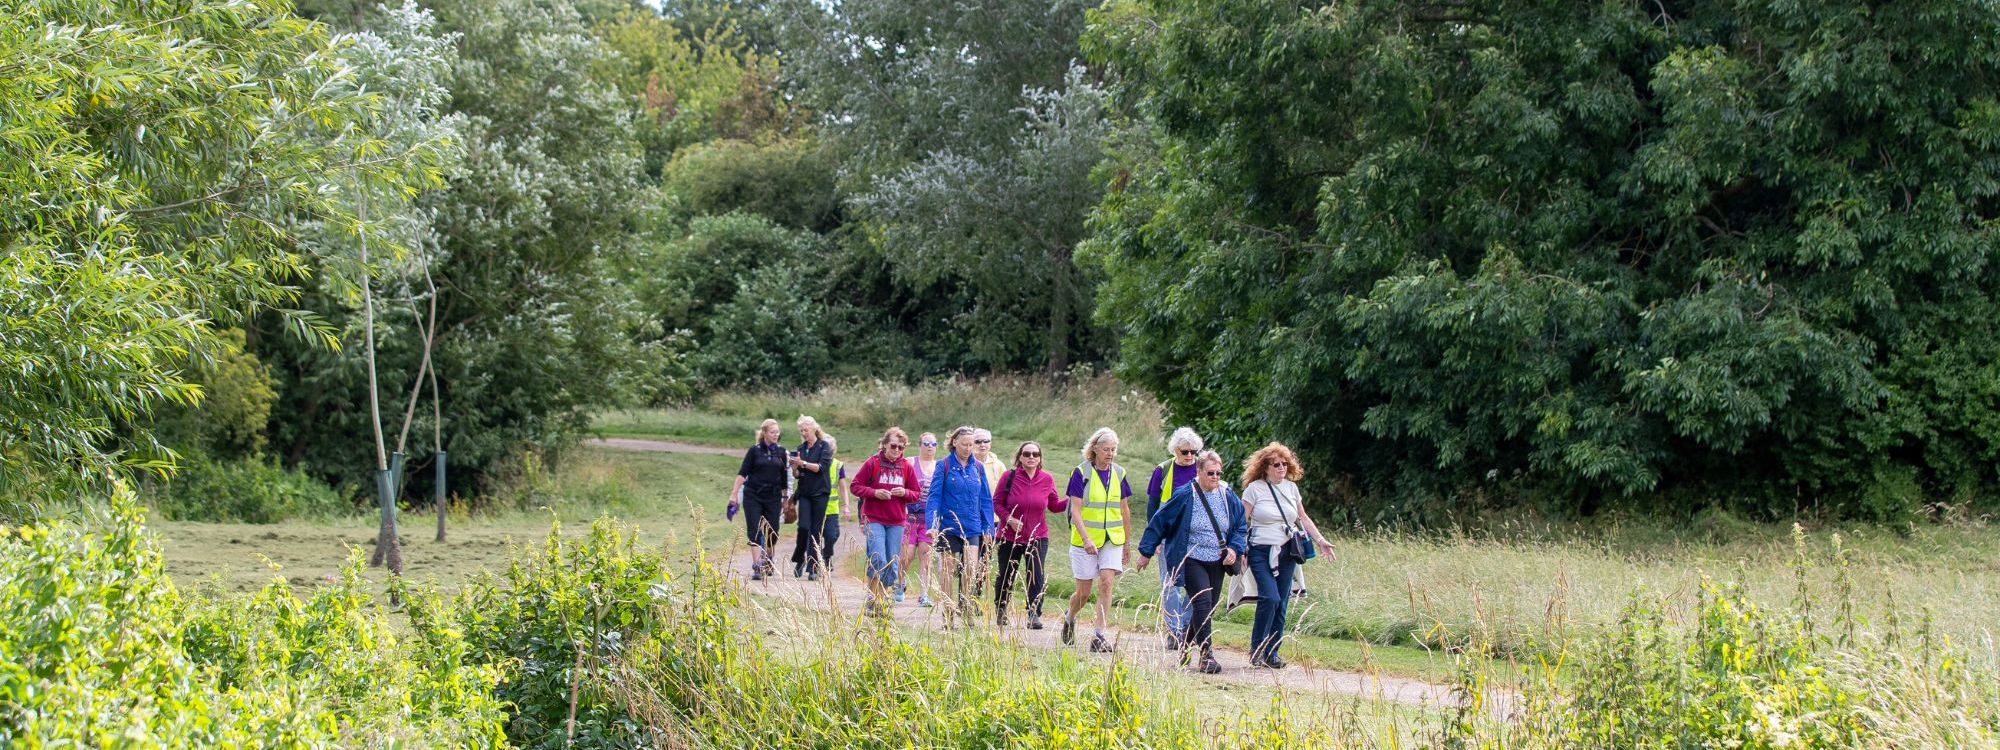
945,519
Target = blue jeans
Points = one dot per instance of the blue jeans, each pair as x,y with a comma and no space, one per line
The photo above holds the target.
1274,597
885,544
1173,602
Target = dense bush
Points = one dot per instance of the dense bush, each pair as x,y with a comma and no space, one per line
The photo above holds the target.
103,651
242,490
1698,250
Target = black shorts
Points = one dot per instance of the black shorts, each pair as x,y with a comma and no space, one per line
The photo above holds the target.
758,511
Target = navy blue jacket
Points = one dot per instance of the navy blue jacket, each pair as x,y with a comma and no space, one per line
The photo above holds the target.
1173,523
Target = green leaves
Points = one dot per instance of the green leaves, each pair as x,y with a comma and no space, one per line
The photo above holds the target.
1593,249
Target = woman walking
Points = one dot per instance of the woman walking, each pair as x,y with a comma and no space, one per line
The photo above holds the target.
917,532
1099,502
1278,530
810,463
1025,497
760,493
1172,474
960,510
1204,532
884,484
829,534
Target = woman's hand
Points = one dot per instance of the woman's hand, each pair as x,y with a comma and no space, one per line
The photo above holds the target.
1228,558
1013,523
1325,548
1142,564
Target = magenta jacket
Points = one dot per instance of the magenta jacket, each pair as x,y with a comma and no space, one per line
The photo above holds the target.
1030,500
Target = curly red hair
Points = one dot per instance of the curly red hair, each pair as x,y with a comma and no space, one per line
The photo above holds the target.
1259,463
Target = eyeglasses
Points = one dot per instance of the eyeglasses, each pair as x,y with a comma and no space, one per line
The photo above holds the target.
930,443
897,446
1279,464
1031,455
1189,452
984,442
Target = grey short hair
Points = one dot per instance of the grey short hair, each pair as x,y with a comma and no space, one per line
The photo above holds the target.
1184,436
1101,436
1209,457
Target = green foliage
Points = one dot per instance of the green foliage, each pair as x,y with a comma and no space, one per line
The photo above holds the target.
693,85
242,490
789,182
236,396
102,650
560,615
1697,249
966,138
159,163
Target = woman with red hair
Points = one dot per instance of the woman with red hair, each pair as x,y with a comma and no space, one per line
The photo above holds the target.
1279,530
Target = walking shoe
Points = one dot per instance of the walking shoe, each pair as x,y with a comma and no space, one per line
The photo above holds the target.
1000,618
1173,642
1099,644
812,575
798,571
1069,631
1274,662
899,596
1034,622
1209,665
1187,657
925,601
756,573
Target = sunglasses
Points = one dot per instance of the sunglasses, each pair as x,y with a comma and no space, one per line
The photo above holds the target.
1188,452
1279,464
897,446
1211,473
983,442
930,443
1031,454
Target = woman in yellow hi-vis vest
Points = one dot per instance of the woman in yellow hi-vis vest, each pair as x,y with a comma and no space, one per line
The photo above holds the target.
1098,506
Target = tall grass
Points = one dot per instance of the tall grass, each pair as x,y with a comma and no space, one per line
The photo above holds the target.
1014,408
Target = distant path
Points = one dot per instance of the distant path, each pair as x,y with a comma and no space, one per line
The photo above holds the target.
662,446
846,593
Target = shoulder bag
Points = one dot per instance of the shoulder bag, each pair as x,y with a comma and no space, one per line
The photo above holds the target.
1242,562
1295,548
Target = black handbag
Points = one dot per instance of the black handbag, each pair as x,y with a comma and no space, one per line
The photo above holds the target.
1242,562
1295,550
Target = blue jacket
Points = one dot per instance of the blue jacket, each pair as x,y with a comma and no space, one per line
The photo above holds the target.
1174,522
959,502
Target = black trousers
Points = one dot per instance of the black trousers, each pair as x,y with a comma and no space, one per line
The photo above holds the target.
1012,555
809,549
762,516
1203,582
963,569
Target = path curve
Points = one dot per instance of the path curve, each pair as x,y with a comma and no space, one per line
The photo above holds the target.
845,592
661,446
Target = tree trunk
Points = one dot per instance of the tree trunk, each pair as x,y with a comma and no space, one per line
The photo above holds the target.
1060,319
387,551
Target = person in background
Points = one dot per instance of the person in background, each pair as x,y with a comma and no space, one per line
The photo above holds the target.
1271,493
1099,502
960,509
1203,528
829,533
917,532
814,485
760,493
885,483
982,452
1025,497
1170,475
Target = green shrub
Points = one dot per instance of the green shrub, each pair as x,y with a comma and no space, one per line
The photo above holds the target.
247,490
101,650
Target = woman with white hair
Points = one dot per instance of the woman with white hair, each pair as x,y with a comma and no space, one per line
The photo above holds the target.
760,493
1099,502
1172,474
810,463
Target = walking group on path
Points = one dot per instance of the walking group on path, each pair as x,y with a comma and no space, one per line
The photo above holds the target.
946,520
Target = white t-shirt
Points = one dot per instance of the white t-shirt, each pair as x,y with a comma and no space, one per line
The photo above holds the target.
1271,519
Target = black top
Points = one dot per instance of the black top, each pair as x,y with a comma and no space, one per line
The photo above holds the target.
815,485
763,471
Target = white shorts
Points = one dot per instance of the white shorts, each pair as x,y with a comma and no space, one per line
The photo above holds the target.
1084,566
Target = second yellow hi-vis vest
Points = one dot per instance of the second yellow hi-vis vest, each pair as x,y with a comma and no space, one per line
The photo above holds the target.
833,499
1101,511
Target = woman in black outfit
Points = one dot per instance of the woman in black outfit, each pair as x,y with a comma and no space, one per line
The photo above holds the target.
760,492
814,459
